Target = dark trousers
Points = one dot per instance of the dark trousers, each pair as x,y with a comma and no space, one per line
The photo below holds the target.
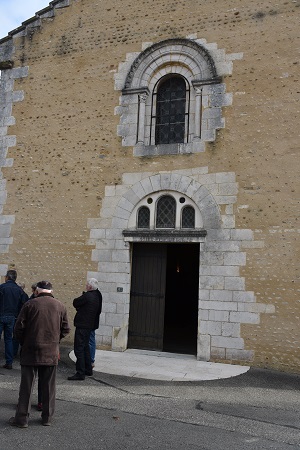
47,377
82,351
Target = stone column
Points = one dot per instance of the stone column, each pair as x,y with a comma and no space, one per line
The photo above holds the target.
141,119
198,114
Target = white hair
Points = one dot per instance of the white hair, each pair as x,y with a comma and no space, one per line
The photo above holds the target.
93,283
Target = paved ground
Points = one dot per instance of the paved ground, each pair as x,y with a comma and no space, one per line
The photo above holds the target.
255,410
161,366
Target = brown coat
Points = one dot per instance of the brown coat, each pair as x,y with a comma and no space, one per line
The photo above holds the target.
40,326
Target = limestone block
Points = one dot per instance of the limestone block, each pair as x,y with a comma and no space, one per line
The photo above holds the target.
212,258
225,177
210,327
222,316
235,283
109,308
242,235
231,329
117,222
240,296
203,348
103,329
218,353
227,342
4,248
203,315
239,355
244,317
219,306
219,235
120,255
97,233
228,222
235,259
204,294
228,188
3,269
7,219
217,246
18,96
220,295
114,320
101,255
212,282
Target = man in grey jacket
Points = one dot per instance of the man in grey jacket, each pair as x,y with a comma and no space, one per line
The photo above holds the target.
40,326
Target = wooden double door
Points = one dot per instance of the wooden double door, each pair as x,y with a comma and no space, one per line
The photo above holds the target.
164,297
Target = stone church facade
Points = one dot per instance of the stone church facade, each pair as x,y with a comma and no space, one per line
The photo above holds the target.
155,149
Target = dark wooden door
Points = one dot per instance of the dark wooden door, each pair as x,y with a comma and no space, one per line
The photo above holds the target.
147,296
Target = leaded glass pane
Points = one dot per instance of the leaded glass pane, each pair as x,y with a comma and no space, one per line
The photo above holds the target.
170,113
188,217
143,217
166,212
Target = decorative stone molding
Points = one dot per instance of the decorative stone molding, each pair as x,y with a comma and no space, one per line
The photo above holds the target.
202,65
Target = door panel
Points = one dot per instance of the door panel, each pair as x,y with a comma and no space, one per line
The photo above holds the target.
147,296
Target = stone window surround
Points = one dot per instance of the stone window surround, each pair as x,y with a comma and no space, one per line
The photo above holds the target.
132,223
201,64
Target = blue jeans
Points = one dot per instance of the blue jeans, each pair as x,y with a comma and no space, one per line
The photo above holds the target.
92,344
7,326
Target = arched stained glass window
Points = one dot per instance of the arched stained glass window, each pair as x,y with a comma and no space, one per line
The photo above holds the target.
143,217
171,111
166,212
188,217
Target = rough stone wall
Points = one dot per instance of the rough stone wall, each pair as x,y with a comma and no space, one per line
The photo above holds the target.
67,149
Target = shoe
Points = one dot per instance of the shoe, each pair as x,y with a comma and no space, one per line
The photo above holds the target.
13,423
89,374
93,365
7,366
76,377
39,407
46,422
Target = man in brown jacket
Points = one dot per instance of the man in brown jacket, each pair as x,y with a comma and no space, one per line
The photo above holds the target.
40,326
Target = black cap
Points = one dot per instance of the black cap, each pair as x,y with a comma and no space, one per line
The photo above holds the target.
44,285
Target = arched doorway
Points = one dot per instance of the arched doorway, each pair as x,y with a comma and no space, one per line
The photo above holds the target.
164,297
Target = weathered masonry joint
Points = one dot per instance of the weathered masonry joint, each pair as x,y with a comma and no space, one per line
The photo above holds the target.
224,303
195,70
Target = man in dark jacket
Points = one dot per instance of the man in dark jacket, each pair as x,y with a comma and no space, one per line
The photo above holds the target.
40,326
12,298
88,307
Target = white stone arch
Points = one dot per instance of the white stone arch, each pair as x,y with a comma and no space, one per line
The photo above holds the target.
202,65
183,184
184,52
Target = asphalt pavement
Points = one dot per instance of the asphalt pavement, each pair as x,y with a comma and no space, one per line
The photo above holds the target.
258,409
